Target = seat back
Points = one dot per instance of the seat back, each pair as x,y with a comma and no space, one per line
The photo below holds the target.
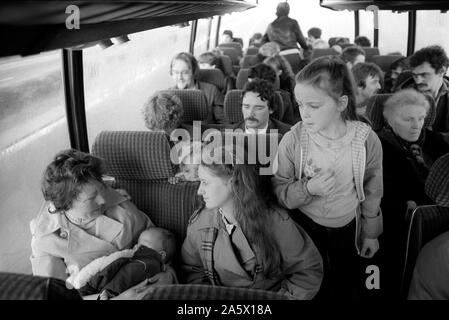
194,104
213,76
370,52
375,108
232,54
233,106
294,60
239,40
207,292
235,45
242,78
15,286
247,61
140,162
425,223
251,51
316,53
226,63
385,61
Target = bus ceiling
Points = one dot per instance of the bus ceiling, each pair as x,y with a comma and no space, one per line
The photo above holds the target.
386,5
30,27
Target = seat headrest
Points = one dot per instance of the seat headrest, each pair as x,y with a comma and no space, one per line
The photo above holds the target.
213,76
193,102
138,155
437,182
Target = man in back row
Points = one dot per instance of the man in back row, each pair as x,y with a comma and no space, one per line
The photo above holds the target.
257,107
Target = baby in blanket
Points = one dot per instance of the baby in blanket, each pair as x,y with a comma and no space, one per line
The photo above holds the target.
113,274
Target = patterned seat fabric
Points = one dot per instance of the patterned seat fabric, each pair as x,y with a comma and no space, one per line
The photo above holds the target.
375,108
231,53
247,61
213,76
14,286
316,53
234,45
437,183
233,106
206,292
252,51
370,52
242,78
426,223
140,162
194,104
384,62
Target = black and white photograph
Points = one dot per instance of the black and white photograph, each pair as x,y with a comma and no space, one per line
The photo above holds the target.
224,158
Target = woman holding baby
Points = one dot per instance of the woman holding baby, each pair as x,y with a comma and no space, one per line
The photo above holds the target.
82,219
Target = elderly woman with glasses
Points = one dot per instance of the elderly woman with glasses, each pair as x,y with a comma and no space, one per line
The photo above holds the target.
409,150
241,238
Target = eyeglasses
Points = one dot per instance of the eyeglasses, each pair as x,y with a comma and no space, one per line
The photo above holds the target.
182,73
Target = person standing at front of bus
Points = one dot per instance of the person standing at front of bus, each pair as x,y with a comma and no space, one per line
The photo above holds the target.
82,218
330,169
285,31
183,69
429,65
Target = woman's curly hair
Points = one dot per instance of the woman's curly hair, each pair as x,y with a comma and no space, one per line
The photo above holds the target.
66,174
163,111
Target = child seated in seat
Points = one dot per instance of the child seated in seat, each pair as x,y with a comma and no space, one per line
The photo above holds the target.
113,274
189,154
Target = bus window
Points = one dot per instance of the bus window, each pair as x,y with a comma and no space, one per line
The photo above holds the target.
202,33
392,39
431,28
366,23
33,128
119,79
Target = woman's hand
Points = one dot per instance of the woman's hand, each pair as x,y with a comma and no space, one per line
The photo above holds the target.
369,247
322,184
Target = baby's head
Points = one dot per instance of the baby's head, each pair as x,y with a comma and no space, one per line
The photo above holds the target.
189,160
160,240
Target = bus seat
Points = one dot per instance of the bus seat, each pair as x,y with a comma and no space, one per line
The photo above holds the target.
231,53
140,162
375,108
370,52
213,76
235,45
226,63
427,222
208,292
252,51
242,78
15,286
194,104
294,60
233,106
385,61
404,80
316,53
239,40
289,113
247,61
345,45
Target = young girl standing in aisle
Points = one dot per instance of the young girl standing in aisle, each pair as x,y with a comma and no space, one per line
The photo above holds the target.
330,169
